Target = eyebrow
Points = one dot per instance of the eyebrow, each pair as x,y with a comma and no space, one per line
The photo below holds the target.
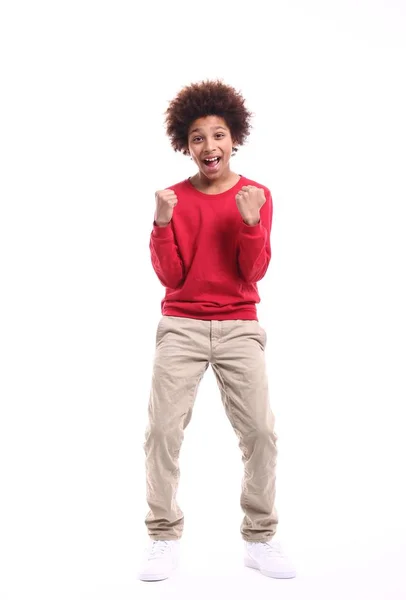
199,129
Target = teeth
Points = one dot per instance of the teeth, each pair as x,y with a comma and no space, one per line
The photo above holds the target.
210,159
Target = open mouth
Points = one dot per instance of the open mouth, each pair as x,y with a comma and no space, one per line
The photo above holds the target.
211,163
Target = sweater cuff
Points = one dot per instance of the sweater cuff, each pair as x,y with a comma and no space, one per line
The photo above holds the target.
162,232
252,230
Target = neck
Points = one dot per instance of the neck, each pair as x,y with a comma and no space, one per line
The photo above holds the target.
214,186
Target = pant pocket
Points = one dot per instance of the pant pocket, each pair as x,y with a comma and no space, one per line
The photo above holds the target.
262,334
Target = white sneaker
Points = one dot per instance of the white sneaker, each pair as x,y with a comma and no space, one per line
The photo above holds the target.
269,559
162,557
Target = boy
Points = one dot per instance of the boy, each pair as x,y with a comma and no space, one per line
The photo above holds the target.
210,245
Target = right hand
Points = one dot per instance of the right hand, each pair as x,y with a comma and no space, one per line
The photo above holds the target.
166,201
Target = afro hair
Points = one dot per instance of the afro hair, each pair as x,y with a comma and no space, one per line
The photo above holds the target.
204,99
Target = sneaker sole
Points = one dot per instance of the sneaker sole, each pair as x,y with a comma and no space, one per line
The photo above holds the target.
251,564
154,577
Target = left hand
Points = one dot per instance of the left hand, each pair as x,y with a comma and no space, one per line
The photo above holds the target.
249,201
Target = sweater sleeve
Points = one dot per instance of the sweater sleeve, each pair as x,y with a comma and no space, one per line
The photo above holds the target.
254,244
165,256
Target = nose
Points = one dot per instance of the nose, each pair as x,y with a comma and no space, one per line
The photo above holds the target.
209,146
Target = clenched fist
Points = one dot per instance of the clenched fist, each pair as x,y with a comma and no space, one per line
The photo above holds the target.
249,201
166,201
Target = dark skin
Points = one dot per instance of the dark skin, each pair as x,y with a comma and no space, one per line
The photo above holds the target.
209,137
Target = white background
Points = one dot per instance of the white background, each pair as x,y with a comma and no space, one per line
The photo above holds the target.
83,149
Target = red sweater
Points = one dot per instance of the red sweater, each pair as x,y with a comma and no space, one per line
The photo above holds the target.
208,259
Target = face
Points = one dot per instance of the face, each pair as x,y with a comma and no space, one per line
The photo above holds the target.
210,145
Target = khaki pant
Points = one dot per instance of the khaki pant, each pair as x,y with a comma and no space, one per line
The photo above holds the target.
235,349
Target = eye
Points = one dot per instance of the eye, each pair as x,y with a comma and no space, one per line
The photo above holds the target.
220,134
195,139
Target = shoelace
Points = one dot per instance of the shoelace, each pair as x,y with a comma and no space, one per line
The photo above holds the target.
158,548
273,549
